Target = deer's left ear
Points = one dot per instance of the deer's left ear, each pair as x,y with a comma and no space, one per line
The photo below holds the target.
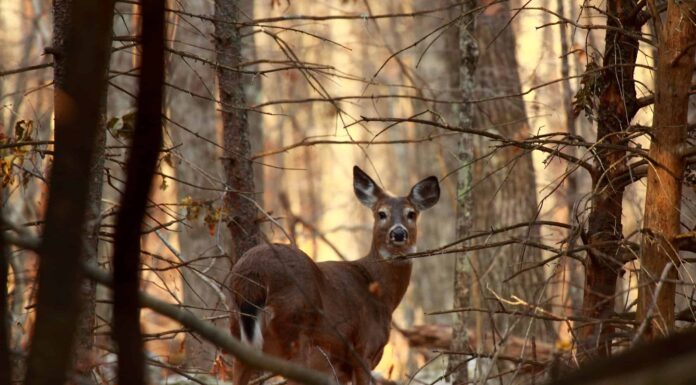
425,193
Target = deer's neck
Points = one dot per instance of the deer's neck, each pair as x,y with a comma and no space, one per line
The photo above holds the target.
391,275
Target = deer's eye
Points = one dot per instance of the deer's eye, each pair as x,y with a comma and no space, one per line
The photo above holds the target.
382,215
411,215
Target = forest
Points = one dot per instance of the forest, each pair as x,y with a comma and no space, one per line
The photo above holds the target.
386,192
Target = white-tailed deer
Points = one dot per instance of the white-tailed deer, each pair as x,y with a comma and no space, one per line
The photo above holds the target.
330,316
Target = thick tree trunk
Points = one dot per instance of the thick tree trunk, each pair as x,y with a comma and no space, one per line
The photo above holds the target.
77,112
200,296
140,168
505,185
463,284
238,166
617,106
659,255
85,336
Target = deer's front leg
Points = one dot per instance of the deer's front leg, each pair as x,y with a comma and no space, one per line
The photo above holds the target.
361,374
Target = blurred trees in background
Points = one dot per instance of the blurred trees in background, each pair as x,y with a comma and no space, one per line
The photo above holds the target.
560,131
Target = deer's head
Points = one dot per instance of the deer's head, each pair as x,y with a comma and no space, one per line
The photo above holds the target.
395,231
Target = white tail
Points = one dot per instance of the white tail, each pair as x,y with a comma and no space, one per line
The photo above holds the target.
333,317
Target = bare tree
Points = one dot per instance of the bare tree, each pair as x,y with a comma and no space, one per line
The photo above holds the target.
659,252
615,89
140,168
90,244
463,283
79,91
239,200
504,185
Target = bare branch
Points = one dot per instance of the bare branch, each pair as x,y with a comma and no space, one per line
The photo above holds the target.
219,337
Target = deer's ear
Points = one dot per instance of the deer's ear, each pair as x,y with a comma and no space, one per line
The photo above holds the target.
365,188
425,193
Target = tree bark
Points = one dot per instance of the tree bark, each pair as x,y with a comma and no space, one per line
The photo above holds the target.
616,92
659,254
570,270
79,90
253,96
85,336
505,185
140,168
239,200
463,284
201,297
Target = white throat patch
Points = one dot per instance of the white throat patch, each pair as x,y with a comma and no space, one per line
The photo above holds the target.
384,253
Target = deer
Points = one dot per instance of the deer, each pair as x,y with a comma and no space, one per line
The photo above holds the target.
333,316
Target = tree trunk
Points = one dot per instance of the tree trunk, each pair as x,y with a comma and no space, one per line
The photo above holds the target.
90,243
504,184
467,56
238,166
570,270
79,91
140,168
253,96
659,255
201,296
5,361
615,90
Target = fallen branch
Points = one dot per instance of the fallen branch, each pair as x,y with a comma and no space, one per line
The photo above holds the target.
665,361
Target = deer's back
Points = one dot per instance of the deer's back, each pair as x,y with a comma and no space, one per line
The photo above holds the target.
275,269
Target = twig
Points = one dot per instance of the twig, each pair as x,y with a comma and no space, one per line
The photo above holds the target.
648,316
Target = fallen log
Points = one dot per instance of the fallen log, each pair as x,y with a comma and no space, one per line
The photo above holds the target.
439,337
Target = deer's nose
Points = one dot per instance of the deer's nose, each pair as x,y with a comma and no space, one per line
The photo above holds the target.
398,234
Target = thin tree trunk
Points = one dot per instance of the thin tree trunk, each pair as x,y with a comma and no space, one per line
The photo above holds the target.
90,244
616,107
140,168
5,361
468,56
659,255
252,93
570,269
79,89
242,210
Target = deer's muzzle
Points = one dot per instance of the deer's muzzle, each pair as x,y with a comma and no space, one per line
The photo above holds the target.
398,235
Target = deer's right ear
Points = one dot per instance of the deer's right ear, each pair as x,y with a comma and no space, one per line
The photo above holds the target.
365,188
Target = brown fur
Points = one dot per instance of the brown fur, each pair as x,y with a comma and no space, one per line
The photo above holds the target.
333,317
